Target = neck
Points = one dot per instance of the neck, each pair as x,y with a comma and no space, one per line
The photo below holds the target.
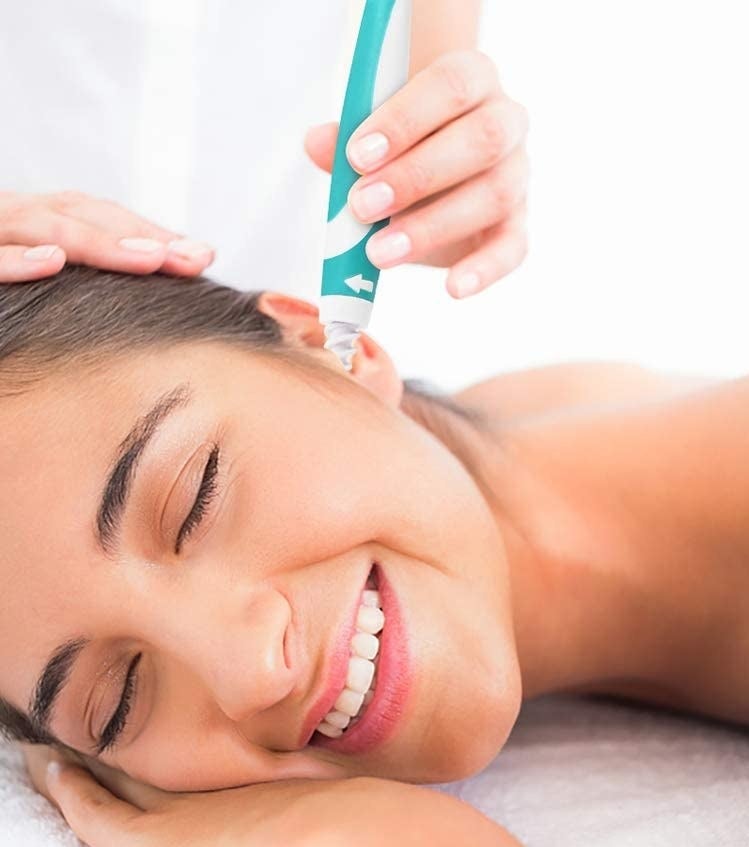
584,598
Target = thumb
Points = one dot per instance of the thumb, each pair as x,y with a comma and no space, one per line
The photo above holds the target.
319,144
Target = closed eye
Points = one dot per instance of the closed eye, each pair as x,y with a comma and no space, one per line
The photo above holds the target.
118,721
206,492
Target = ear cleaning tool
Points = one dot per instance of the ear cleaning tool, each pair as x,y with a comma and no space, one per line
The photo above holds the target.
378,69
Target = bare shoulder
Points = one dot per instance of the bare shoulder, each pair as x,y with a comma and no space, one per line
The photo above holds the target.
536,391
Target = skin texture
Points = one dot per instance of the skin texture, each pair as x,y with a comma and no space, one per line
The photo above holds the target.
604,576
237,629
626,594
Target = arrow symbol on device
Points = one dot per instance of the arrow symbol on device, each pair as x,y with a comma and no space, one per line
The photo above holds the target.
358,283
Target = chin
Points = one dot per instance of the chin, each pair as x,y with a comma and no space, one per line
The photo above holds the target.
482,734
466,734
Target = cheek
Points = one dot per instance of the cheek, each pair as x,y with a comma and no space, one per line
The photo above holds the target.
466,691
315,485
190,752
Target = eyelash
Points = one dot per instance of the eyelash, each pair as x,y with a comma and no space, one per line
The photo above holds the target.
206,493
118,721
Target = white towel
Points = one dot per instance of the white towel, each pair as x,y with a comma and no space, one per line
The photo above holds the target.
575,772
602,774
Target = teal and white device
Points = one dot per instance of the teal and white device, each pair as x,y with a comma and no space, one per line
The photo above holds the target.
378,69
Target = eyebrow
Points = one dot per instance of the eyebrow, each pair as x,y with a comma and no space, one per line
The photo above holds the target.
51,681
119,483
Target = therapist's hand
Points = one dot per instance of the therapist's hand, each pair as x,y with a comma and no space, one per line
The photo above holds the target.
40,232
445,156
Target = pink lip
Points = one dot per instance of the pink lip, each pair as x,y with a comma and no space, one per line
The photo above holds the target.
394,679
338,669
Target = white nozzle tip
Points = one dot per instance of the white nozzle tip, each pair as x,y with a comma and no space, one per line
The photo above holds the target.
341,340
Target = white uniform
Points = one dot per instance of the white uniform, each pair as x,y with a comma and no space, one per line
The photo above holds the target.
189,112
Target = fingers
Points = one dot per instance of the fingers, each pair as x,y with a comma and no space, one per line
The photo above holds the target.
87,231
466,147
503,249
24,264
448,88
320,145
86,244
467,210
181,256
107,215
139,794
37,757
95,815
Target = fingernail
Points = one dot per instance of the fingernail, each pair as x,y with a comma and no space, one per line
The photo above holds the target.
368,150
142,245
40,253
467,284
53,769
372,200
383,250
190,249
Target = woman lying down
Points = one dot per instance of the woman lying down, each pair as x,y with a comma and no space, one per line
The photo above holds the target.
258,596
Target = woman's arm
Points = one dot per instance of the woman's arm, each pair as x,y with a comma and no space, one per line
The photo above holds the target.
363,811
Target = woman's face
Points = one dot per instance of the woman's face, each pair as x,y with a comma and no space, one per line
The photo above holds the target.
242,607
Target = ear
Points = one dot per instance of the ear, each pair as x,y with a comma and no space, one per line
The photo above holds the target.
300,324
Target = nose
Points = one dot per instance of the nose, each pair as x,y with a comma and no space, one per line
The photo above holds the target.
243,659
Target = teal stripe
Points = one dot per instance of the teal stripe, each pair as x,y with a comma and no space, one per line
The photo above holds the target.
357,104
350,264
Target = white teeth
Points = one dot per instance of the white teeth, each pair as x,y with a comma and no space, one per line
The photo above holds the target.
371,598
338,719
370,619
360,673
365,645
329,730
349,702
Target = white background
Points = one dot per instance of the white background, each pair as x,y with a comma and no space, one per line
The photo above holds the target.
639,148
192,113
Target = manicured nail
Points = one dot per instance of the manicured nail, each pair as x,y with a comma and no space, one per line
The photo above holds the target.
467,284
368,151
40,253
386,249
142,245
53,769
372,201
187,249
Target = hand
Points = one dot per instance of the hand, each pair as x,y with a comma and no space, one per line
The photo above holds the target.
40,232
445,156
117,811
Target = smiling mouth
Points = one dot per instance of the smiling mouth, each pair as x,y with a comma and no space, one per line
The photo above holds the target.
361,675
